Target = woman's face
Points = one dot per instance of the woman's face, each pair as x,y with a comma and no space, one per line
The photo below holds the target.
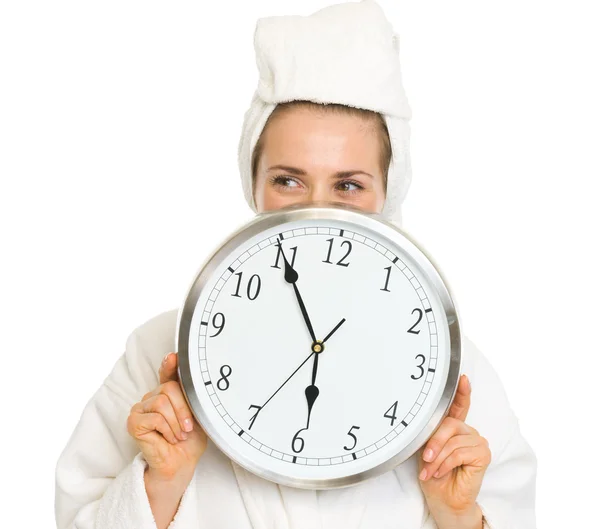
310,156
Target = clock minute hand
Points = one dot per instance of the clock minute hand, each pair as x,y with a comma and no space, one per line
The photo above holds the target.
305,313
291,276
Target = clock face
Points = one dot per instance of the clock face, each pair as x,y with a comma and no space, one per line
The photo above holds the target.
318,349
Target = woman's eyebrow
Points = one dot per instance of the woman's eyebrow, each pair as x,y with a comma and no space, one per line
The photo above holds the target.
300,172
347,174
288,169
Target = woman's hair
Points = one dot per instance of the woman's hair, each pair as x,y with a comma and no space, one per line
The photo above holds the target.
385,155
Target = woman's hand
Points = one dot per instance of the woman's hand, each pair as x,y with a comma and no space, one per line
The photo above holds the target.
165,430
452,464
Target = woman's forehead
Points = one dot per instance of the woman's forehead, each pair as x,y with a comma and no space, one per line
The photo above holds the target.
301,136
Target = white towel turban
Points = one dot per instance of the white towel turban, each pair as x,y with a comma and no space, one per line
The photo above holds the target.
345,53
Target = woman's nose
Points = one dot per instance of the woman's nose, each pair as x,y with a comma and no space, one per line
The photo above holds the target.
320,193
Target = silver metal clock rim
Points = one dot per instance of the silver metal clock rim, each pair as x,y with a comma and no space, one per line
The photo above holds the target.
325,212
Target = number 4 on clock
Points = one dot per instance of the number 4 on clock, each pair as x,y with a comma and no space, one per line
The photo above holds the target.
393,417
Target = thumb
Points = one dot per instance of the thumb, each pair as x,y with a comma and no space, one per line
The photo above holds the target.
168,369
462,400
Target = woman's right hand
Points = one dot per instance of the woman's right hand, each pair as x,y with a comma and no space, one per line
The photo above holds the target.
165,429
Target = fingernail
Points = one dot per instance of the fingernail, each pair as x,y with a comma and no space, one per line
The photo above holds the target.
165,358
183,436
187,425
423,474
437,474
428,455
468,382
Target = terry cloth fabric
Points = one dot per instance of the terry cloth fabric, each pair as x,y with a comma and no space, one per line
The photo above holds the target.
345,53
100,473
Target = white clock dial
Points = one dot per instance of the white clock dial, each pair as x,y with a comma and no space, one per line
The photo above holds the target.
318,349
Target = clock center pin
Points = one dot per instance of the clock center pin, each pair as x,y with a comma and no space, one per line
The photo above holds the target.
318,347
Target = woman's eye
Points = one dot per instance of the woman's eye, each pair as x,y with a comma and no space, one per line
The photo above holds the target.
349,187
285,181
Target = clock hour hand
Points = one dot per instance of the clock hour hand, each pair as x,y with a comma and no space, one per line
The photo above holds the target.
291,276
312,392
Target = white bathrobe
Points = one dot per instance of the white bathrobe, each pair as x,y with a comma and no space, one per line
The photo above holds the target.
346,53
100,474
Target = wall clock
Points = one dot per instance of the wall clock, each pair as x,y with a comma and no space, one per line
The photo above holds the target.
319,346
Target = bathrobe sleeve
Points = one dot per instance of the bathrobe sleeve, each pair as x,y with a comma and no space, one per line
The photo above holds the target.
100,473
507,495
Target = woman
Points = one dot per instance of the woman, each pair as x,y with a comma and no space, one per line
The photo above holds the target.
327,123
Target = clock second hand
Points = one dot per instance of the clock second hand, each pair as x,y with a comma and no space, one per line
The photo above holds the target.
286,381
259,408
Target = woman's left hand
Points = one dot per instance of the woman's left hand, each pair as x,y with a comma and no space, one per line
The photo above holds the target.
452,464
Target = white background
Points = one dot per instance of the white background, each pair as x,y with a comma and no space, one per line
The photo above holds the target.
119,124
